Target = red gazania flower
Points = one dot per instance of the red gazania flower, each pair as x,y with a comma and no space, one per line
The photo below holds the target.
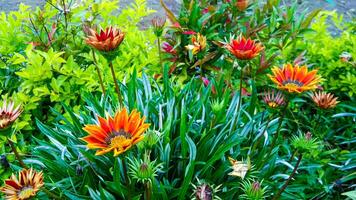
295,78
273,99
324,100
108,40
24,186
116,134
8,114
244,49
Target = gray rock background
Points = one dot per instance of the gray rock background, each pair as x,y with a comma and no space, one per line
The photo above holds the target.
346,7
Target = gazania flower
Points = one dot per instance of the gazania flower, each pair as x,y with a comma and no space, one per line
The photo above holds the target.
106,40
273,99
295,78
158,24
242,4
324,100
8,114
116,134
244,49
25,186
239,168
198,44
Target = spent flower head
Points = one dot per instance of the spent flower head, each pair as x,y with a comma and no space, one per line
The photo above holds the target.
239,168
205,191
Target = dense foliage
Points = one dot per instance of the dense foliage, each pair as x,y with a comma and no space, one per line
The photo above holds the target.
226,99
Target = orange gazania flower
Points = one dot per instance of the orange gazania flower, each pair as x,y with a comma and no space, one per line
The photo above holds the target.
8,114
198,44
324,100
242,4
116,134
244,49
25,186
108,40
295,78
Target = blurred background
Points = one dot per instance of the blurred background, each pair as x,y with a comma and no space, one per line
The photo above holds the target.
346,7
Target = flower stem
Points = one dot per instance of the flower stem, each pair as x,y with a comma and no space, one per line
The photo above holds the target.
117,88
289,178
50,194
124,167
148,190
159,53
279,125
240,97
17,155
99,75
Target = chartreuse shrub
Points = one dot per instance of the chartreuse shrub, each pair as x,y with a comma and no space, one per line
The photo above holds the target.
45,61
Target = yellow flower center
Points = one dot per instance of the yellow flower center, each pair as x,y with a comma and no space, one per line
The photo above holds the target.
272,104
26,192
120,142
292,86
4,122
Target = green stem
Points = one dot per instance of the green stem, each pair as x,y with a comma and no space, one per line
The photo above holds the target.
117,88
148,190
124,167
17,155
279,125
277,196
160,54
98,71
240,98
50,194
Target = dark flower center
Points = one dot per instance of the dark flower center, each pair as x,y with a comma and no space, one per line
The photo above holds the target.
293,82
114,134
